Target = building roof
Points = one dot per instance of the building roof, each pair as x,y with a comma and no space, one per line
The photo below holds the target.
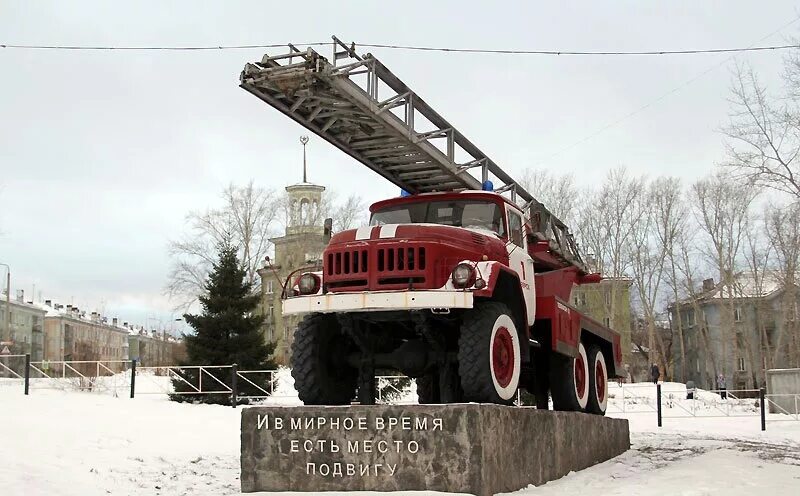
746,285
749,285
20,304
55,310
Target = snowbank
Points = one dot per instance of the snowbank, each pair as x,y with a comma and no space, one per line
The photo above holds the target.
78,443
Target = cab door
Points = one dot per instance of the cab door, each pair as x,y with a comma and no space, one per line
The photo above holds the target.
520,261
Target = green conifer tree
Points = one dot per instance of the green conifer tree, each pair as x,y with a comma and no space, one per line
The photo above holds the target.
228,331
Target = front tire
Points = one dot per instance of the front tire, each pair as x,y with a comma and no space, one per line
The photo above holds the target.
489,360
569,381
321,375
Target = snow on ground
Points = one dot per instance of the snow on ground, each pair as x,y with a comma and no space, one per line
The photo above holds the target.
79,443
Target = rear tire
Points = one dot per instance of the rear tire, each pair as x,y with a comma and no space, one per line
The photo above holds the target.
598,385
569,381
321,375
489,361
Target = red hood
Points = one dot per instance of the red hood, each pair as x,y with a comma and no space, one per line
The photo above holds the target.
395,256
484,242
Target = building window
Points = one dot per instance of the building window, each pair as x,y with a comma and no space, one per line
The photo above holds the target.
270,287
270,311
697,363
690,318
737,314
285,333
607,322
741,364
608,298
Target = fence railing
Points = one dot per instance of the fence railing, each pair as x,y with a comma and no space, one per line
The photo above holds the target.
125,376
682,403
669,403
777,405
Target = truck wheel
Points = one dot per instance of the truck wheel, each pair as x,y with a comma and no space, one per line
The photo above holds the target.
569,381
598,385
489,359
428,389
321,374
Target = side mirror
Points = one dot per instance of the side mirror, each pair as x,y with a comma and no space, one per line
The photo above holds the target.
327,230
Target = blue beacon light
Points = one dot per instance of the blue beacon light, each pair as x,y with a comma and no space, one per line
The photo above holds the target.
487,186
404,193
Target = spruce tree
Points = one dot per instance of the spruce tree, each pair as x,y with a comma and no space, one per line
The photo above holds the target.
228,331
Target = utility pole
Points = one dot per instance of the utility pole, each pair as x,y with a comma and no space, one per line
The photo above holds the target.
7,335
304,141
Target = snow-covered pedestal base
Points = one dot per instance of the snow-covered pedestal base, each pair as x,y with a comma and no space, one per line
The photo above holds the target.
467,448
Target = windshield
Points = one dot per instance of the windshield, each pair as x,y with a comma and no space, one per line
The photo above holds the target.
460,213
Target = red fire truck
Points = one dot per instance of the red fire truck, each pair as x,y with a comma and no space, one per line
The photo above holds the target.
462,282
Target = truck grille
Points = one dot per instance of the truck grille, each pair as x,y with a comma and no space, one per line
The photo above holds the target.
348,262
401,259
375,267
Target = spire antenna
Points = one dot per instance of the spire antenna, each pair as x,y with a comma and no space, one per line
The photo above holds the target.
304,141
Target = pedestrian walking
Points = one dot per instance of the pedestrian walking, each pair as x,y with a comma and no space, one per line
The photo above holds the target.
655,373
690,389
723,390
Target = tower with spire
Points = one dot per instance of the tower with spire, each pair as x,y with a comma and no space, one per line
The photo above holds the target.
300,246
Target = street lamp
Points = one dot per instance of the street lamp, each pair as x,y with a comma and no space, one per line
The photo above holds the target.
7,335
304,141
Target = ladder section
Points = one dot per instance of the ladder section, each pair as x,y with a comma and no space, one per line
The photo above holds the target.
358,105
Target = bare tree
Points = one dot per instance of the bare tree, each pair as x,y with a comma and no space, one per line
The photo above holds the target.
721,209
556,192
686,261
349,214
607,225
764,133
660,217
783,228
671,215
245,219
757,252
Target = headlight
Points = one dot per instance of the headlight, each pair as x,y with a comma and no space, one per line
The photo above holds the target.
463,275
308,284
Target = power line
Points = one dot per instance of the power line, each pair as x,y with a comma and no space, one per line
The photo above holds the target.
412,48
154,48
659,98
572,52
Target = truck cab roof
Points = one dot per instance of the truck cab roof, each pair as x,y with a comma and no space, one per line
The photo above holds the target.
443,195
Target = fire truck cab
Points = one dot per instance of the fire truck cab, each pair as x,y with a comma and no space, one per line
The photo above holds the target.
442,287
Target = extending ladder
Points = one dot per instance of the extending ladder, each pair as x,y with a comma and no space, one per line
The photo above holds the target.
358,105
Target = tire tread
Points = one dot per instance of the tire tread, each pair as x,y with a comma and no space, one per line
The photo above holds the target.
473,344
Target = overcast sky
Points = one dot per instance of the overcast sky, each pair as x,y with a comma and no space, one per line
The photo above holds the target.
103,153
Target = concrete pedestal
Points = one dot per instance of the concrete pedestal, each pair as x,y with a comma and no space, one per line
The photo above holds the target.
470,448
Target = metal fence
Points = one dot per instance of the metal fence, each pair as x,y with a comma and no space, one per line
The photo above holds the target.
126,378
698,403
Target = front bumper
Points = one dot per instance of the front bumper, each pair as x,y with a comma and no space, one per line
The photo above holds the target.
377,301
